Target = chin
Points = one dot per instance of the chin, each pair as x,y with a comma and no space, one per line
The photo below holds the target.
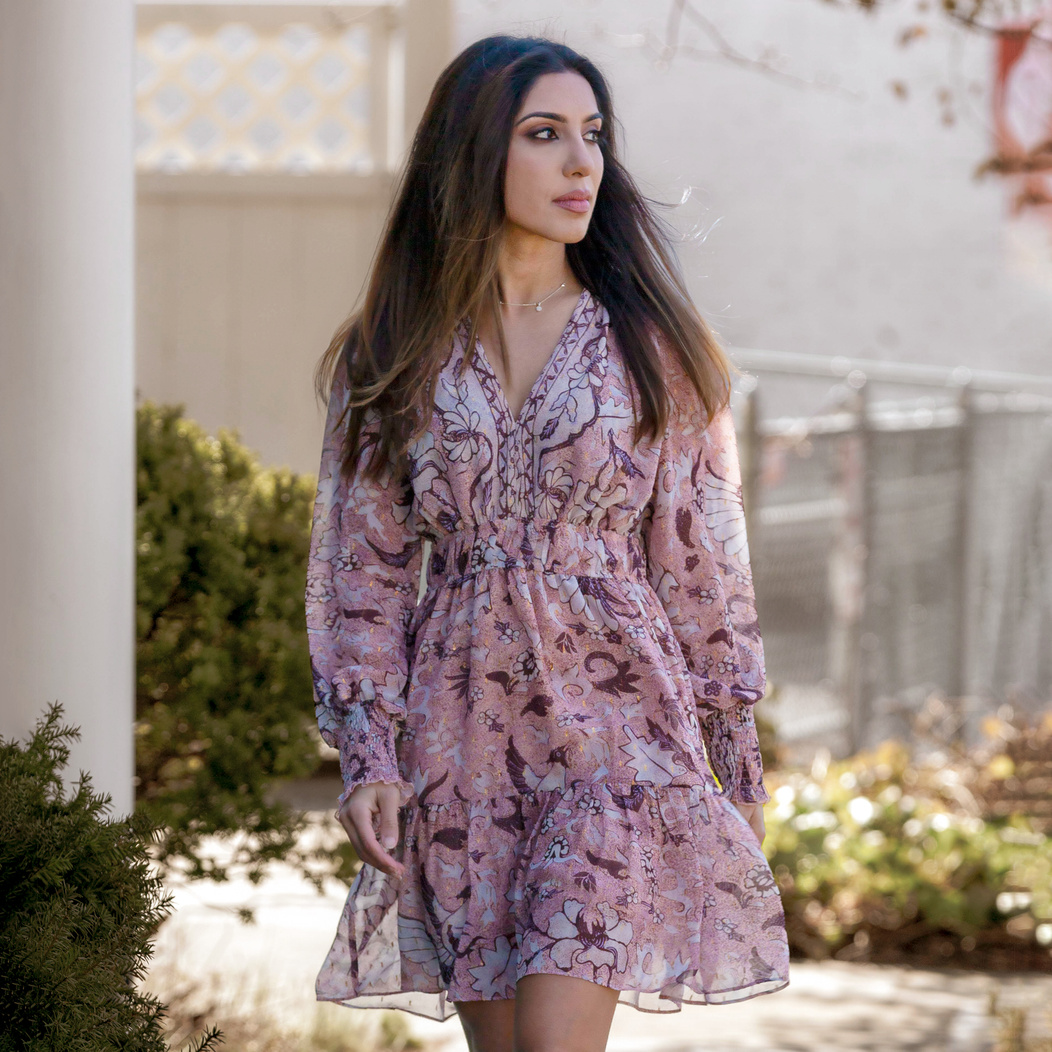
565,233
576,231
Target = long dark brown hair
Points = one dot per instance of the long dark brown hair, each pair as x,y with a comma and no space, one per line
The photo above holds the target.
436,265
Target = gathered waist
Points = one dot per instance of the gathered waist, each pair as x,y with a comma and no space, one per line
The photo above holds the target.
548,547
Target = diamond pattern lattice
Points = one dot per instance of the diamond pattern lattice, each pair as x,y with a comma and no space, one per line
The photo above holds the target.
240,96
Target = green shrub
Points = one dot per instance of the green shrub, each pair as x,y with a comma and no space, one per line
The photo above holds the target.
1017,777
881,858
224,705
80,905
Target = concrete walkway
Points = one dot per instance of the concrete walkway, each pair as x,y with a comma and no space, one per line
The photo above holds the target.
259,978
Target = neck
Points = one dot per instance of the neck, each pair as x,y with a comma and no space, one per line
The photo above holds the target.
530,267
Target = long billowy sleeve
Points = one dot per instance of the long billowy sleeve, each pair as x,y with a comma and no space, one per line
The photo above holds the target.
362,579
698,563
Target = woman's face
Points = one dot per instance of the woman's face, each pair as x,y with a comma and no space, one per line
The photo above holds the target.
555,162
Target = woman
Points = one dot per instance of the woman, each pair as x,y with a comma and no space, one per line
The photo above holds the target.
524,751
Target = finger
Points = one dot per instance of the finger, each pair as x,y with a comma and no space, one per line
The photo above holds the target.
352,833
376,855
370,850
389,820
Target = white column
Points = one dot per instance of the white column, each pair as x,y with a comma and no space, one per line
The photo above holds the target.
67,396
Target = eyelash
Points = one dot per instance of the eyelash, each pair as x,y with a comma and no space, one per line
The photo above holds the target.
535,134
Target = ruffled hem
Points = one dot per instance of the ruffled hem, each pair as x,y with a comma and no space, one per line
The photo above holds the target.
437,1006
660,892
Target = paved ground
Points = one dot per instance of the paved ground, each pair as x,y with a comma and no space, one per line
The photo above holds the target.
208,961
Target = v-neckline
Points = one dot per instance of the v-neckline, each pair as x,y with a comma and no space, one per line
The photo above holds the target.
542,377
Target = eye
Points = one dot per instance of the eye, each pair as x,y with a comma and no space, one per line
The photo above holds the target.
536,133
597,132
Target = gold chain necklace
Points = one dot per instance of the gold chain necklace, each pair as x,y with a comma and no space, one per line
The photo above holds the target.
536,303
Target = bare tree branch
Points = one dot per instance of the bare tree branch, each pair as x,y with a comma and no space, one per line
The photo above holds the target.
989,17
663,50
970,22
1037,159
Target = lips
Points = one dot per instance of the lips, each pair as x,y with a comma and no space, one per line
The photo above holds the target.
575,201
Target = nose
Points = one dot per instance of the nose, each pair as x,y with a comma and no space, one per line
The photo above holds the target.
579,160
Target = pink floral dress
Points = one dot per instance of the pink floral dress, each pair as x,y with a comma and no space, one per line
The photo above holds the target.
586,648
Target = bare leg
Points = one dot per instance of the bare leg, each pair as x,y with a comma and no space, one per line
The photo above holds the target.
489,1026
561,1013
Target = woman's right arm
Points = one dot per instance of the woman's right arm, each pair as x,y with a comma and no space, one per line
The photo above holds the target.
362,580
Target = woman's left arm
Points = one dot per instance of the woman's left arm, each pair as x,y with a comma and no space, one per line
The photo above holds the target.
698,563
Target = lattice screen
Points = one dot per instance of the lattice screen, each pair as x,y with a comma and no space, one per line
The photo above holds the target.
255,94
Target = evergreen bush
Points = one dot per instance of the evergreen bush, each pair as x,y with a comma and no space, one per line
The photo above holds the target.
80,906
224,704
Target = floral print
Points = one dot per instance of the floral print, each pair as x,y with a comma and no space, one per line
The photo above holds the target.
567,712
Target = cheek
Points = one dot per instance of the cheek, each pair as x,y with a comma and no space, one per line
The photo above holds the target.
523,182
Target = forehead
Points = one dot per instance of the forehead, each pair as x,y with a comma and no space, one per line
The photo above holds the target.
567,93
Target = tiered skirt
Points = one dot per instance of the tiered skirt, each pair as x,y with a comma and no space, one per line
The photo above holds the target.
660,892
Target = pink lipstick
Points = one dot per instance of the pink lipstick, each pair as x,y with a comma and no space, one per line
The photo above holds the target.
575,201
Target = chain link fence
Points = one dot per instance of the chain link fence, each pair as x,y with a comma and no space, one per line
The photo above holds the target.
901,535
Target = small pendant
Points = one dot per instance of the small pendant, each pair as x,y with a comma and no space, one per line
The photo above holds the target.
539,308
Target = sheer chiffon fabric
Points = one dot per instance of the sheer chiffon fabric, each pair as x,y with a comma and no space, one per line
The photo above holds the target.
557,710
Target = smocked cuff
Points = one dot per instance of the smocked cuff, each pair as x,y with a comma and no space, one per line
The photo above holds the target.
733,749
368,755
746,792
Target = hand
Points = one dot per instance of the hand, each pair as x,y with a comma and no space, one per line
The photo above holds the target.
357,817
753,814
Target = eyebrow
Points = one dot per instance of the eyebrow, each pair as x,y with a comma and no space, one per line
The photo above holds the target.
557,117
